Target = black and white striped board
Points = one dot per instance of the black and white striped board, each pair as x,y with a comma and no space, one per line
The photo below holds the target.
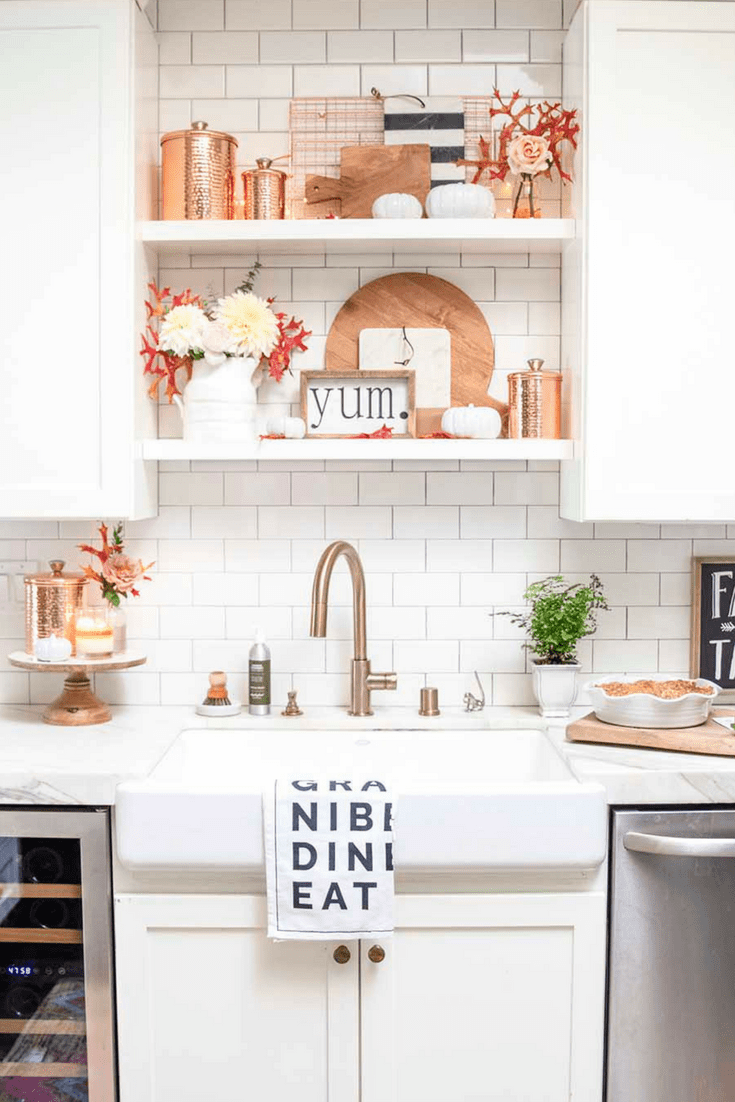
440,124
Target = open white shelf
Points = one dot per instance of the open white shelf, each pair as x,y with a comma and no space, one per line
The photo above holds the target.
481,235
289,450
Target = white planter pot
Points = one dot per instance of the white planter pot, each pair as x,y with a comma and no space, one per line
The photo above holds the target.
220,403
555,688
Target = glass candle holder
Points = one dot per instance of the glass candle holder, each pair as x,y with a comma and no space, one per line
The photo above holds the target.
94,633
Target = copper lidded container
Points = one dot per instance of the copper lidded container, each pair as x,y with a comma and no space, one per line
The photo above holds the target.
51,602
264,190
535,403
198,173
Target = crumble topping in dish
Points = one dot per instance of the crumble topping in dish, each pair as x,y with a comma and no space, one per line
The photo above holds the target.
666,690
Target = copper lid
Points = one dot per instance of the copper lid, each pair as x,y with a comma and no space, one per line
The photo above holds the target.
56,577
535,372
264,164
197,130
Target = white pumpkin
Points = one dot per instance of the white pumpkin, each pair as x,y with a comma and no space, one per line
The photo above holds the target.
55,648
293,428
477,422
460,201
396,204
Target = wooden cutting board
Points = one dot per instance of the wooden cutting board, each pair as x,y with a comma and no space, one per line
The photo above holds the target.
368,171
419,301
708,738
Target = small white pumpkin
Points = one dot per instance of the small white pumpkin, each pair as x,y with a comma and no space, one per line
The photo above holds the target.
54,648
396,204
460,201
477,422
293,428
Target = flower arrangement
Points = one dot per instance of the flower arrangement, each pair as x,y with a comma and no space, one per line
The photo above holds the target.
560,615
184,327
118,573
529,144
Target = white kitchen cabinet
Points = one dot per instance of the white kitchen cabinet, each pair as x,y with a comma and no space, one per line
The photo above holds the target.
78,82
483,998
209,1008
648,281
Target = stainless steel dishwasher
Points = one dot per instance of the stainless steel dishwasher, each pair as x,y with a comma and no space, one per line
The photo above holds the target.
671,1003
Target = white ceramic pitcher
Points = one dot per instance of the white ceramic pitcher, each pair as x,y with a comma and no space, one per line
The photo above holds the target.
220,403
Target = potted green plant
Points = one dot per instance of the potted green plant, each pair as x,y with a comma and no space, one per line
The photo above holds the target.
559,616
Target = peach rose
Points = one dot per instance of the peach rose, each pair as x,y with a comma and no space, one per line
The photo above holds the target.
122,572
528,155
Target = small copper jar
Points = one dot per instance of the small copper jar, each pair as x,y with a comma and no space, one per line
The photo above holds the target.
51,602
264,190
198,176
534,401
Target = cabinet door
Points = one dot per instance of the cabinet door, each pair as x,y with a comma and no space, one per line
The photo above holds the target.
486,999
649,355
209,1008
66,281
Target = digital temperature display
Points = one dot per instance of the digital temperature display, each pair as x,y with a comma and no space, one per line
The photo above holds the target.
20,970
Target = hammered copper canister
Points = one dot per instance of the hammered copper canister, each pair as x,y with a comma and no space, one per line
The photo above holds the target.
534,403
264,190
198,173
51,600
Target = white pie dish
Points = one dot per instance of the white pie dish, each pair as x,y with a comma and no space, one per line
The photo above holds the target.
646,710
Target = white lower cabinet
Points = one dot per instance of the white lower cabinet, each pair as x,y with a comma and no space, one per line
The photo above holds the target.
483,998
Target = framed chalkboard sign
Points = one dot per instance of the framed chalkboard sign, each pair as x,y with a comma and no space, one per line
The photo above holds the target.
713,620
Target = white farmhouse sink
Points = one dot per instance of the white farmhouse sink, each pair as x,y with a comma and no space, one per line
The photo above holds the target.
468,800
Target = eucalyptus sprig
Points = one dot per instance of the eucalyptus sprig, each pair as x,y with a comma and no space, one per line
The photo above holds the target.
560,615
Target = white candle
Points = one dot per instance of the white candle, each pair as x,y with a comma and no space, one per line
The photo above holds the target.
94,637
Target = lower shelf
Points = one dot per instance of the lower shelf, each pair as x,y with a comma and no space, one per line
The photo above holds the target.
289,450
43,1071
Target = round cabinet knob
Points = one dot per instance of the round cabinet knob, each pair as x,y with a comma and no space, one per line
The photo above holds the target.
341,954
376,953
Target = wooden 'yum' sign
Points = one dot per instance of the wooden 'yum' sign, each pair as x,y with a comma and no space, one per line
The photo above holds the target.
349,403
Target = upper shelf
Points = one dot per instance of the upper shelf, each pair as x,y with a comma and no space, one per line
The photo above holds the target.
335,235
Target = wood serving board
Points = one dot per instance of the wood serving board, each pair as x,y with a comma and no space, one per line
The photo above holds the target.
368,171
708,738
419,301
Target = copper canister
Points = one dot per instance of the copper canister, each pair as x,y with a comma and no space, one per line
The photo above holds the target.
198,173
264,189
535,403
51,600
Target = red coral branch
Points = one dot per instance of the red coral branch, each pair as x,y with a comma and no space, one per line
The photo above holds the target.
552,122
163,365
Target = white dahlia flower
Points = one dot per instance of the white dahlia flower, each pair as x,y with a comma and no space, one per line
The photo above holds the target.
181,330
252,324
217,342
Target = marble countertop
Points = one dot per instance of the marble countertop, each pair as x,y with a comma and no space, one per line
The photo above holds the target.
42,764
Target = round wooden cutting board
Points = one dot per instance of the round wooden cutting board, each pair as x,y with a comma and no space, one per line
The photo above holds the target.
419,301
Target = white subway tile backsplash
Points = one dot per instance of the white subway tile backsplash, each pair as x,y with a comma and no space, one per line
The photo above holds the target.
391,80
193,623
492,522
673,656
532,80
623,656
190,489
189,556
511,555
325,14
593,555
526,488
659,555
527,285
466,622
676,589
259,80
426,656
528,13
671,622
222,47
430,45
326,488
225,589
261,556
396,555
257,489
392,14
393,489
293,47
461,13
546,45
174,48
426,589
326,80
495,45
290,522
256,15
191,15
243,621
224,522
461,80
491,656
544,522
493,589
191,81
459,488
425,522
368,46
470,555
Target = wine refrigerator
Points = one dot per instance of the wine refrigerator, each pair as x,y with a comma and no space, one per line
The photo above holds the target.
56,1000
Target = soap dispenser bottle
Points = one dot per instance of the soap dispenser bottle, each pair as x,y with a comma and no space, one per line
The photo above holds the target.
259,677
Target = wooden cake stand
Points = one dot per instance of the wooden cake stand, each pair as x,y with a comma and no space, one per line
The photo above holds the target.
77,705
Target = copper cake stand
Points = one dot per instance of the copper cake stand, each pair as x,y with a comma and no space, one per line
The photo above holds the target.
77,706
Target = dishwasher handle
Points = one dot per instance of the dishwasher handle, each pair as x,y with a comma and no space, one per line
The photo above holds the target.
662,846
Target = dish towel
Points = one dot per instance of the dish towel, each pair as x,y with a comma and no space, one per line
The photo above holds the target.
329,858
